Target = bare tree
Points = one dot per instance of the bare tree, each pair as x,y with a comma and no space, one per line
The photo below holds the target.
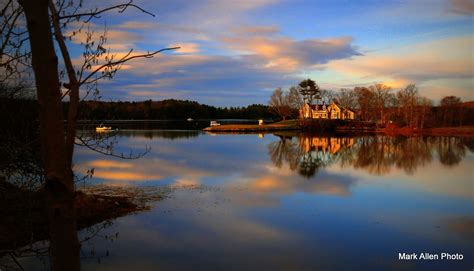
28,29
280,103
407,99
382,97
295,99
365,102
327,95
425,104
346,98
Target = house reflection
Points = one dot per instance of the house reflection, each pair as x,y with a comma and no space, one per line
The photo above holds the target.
325,144
307,153
378,155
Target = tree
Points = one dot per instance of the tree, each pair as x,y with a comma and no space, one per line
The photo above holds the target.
309,90
449,104
407,101
327,96
33,47
280,103
364,102
382,98
425,104
347,98
450,101
295,99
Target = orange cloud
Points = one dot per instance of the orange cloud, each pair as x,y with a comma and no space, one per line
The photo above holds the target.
444,58
186,48
109,164
465,7
125,176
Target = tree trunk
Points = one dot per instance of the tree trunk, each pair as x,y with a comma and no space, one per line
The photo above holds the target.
59,186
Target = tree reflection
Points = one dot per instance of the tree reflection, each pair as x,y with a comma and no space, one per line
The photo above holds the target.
284,150
450,150
39,252
378,155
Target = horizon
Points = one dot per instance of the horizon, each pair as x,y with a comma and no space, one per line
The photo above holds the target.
237,53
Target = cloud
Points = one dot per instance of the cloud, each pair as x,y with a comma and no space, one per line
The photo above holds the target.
264,61
202,78
244,30
448,58
233,53
291,55
109,164
119,40
222,13
186,48
465,7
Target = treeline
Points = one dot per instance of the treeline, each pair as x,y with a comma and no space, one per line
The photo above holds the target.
168,110
146,110
405,107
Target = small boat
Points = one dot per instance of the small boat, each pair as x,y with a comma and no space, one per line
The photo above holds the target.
189,119
102,128
214,123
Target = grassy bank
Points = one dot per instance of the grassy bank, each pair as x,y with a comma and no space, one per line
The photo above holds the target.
277,126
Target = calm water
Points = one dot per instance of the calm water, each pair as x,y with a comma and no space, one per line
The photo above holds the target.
287,202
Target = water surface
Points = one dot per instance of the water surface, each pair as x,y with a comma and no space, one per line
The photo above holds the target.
287,202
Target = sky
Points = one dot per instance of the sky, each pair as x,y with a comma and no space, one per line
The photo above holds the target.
236,52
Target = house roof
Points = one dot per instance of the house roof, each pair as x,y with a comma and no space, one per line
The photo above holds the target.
342,107
318,107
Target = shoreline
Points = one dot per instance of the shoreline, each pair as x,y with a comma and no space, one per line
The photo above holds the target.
296,125
24,220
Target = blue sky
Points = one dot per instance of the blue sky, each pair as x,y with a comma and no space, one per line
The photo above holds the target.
236,53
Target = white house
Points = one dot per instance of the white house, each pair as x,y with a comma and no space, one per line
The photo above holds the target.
332,111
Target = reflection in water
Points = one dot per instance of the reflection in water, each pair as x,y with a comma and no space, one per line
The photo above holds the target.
168,134
464,226
41,252
306,153
450,150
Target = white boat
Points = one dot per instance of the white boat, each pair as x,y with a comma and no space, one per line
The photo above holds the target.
214,123
189,119
102,128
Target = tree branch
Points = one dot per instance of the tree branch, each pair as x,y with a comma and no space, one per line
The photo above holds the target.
124,59
95,13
